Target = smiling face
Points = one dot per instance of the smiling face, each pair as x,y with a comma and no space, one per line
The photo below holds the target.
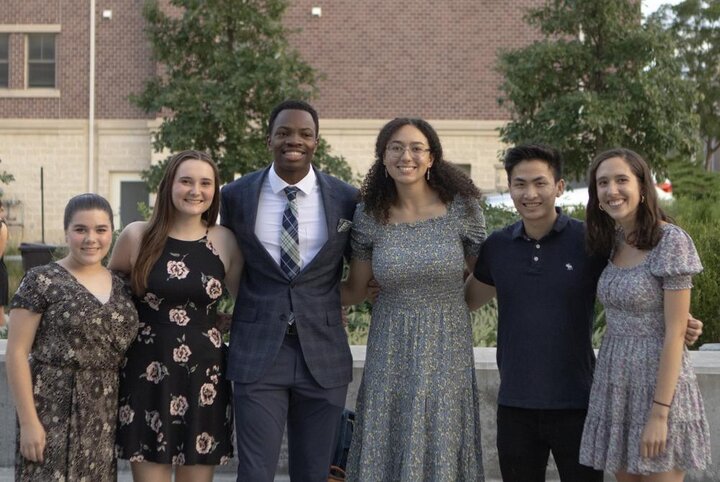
618,191
407,156
89,236
193,187
533,189
292,141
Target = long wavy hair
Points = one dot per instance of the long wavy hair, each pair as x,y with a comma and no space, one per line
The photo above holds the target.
601,228
163,216
378,191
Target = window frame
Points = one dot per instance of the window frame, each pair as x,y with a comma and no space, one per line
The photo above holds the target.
41,61
5,61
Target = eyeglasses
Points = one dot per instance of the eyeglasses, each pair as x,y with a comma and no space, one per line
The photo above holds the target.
396,151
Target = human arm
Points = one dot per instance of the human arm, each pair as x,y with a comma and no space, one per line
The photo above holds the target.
126,248
225,243
24,324
3,238
477,293
355,288
676,306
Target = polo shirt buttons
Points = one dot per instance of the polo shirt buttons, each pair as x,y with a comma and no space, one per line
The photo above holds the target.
537,246
535,258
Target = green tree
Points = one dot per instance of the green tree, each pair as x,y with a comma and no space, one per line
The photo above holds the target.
695,24
225,64
598,78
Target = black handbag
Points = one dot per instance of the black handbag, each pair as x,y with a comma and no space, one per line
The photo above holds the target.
342,447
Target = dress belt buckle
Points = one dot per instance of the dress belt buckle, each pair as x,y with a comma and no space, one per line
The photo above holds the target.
291,329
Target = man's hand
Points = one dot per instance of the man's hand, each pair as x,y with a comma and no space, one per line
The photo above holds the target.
373,290
223,322
694,330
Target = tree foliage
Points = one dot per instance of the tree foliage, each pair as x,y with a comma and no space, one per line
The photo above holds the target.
225,65
695,24
597,79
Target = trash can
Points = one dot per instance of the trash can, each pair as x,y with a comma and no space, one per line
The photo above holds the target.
36,254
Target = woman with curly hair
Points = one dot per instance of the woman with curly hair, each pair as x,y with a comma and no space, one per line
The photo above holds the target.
175,413
418,227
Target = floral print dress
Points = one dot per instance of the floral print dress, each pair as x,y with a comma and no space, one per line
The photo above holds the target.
78,348
174,398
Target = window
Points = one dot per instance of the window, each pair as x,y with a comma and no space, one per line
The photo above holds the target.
4,60
41,60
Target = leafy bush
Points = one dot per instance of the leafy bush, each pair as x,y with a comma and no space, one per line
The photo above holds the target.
700,217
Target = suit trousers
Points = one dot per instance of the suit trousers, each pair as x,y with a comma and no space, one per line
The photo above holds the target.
286,394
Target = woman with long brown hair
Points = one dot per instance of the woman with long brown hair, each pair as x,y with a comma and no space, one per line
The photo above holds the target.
646,421
175,410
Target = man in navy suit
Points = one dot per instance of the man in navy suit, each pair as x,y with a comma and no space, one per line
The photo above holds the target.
289,356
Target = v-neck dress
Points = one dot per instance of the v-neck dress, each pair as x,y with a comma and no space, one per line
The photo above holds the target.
417,406
78,348
174,397
627,367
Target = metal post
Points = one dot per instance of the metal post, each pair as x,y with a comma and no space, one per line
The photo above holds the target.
42,205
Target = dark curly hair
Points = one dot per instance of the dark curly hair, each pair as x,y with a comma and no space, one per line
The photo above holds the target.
378,191
600,234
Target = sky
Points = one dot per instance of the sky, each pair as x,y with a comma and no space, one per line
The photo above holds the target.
649,6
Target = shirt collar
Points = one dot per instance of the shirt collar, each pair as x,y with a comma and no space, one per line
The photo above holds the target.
560,222
306,185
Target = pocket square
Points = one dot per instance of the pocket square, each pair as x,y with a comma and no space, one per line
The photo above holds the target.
344,225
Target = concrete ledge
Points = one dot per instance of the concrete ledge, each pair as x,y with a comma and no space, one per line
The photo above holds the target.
706,363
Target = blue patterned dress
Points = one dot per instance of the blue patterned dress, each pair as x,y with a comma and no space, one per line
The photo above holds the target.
417,408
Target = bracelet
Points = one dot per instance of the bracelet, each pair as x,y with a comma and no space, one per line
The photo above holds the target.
661,404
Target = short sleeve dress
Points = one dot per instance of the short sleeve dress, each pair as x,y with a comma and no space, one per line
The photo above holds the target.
174,398
78,348
417,407
627,366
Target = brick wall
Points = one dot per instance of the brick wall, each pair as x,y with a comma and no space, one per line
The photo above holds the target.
122,58
433,59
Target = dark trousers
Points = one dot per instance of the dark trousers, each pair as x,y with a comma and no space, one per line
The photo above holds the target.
525,438
287,393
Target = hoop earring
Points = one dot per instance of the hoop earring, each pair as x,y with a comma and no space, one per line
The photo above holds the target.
427,174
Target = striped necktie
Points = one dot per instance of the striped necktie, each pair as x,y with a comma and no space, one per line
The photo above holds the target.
289,244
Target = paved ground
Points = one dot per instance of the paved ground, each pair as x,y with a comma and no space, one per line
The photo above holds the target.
6,475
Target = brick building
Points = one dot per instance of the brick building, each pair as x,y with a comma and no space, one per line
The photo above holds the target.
379,60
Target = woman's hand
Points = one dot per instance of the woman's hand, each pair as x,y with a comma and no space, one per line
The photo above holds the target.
32,441
654,437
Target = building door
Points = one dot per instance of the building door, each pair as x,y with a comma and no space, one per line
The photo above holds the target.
132,193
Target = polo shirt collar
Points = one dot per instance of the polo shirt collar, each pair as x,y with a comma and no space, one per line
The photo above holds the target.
560,222
306,185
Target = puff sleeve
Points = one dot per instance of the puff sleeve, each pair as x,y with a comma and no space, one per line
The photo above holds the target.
675,259
472,226
361,235
32,292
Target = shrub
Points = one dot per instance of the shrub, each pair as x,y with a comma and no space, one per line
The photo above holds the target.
700,217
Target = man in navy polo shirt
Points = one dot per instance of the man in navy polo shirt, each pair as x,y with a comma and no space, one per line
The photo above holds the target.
545,285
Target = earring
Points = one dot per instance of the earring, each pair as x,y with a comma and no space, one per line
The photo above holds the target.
427,174
642,198
386,173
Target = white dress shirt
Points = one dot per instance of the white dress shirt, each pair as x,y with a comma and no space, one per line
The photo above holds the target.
312,228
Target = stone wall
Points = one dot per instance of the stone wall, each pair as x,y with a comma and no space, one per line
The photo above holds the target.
707,367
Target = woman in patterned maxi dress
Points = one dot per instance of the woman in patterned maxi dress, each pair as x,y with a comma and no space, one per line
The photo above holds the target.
418,227
74,319
646,419
175,412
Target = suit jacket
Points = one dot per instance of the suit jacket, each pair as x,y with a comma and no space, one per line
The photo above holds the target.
266,297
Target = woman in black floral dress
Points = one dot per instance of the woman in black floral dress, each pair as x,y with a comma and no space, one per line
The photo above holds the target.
174,410
74,320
